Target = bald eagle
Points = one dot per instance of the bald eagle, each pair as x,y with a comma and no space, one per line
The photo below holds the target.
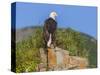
50,26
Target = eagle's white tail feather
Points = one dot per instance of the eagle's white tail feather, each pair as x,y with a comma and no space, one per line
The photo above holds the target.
49,42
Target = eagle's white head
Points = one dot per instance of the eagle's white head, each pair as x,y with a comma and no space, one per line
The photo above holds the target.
53,15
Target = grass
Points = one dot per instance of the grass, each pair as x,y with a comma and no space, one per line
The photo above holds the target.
27,51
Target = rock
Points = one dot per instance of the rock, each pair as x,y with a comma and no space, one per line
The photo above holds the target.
43,56
62,57
51,58
79,62
59,59
41,67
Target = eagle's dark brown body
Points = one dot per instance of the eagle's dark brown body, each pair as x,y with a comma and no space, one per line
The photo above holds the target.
50,27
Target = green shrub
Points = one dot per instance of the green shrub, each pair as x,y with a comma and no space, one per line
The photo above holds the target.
78,44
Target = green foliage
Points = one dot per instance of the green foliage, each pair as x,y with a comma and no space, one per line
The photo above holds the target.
27,52
27,59
71,40
78,44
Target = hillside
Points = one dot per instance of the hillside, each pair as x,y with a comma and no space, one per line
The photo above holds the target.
24,33
29,41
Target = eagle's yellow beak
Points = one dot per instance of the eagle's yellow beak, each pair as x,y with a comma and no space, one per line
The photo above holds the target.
55,14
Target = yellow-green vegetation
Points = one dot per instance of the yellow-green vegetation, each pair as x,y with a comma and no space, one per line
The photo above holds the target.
77,43
27,52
